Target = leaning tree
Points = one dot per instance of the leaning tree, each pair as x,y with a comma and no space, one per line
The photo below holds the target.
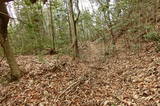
4,41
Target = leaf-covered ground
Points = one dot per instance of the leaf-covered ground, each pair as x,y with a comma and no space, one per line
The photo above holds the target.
127,79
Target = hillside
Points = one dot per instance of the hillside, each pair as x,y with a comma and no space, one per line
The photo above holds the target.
126,79
79,52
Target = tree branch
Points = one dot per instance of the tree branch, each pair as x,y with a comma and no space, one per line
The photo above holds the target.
77,6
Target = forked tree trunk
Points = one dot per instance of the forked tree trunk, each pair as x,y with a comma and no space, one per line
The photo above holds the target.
73,26
4,42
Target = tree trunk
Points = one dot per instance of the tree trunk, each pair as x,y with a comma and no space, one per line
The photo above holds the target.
70,31
14,69
4,42
73,27
52,27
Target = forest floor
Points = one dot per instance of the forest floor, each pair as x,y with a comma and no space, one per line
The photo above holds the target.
128,79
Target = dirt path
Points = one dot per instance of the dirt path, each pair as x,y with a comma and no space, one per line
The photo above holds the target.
93,53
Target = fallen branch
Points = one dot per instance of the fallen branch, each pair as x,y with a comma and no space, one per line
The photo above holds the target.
2,59
80,81
4,98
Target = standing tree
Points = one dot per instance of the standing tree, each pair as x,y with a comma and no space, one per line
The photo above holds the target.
73,26
52,28
4,42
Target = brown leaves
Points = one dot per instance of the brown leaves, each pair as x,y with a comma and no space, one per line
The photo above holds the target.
128,80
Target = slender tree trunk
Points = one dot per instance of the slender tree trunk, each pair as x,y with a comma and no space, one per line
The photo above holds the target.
70,31
69,24
110,24
4,42
82,26
52,27
73,27
155,11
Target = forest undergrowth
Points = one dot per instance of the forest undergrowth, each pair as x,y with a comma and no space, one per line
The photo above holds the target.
127,79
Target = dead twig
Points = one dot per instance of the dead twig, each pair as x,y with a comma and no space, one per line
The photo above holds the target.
80,81
4,98
2,59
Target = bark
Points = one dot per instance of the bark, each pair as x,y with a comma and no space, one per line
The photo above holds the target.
32,1
73,27
82,26
52,27
14,69
4,42
70,31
